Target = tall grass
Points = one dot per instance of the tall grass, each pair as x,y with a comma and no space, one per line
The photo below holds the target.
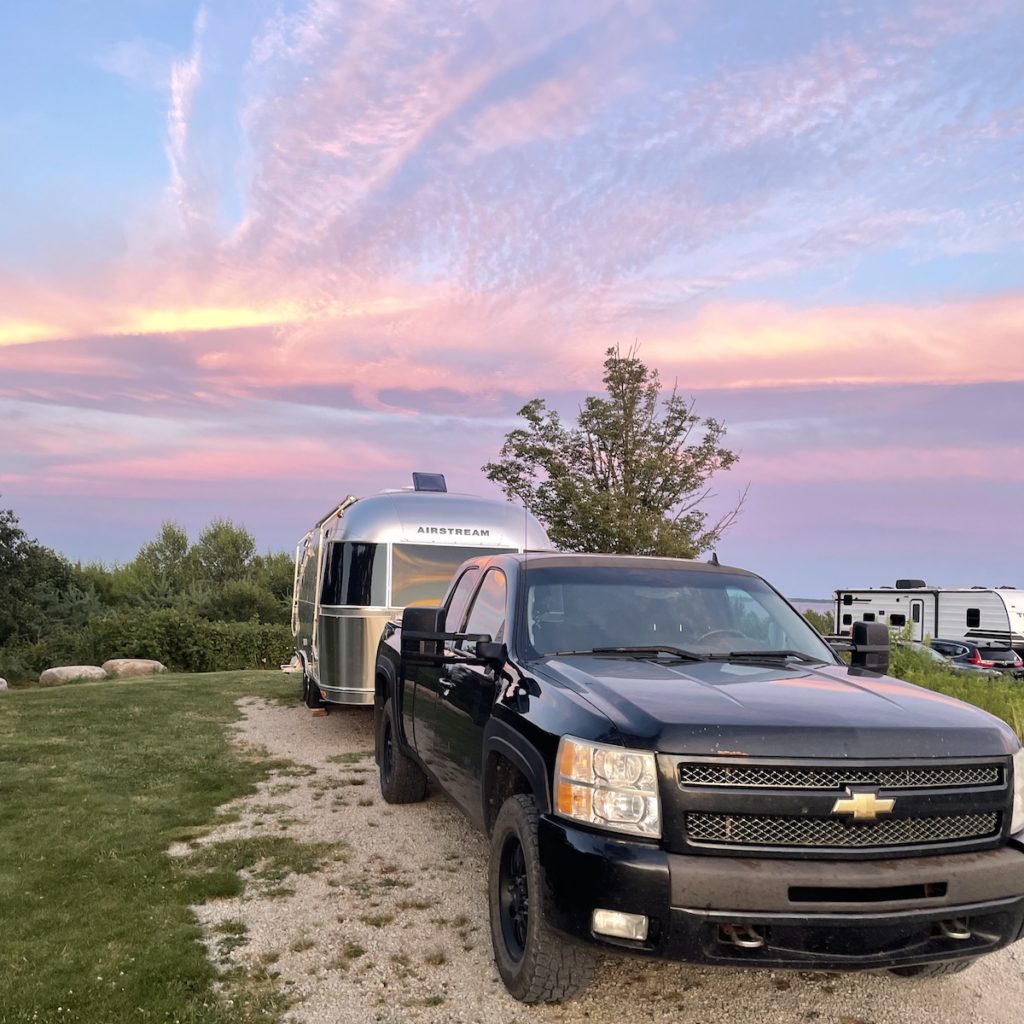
1002,696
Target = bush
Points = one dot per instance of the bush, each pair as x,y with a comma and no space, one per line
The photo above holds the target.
821,621
183,643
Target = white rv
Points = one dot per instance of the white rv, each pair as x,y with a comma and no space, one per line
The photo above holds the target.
989,615
365,560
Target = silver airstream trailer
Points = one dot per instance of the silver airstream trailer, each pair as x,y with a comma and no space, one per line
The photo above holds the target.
370,557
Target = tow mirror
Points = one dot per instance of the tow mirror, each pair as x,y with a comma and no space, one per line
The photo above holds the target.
492,653
870,647
421,629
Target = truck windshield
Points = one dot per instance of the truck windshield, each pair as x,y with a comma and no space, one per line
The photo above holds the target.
576,608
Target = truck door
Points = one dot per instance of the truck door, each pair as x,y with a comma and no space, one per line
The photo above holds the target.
917,619
420,708
466,695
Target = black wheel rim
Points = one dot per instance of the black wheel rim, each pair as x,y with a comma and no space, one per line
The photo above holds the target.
387,763
514,897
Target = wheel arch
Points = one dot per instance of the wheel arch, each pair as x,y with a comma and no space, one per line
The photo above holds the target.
511,765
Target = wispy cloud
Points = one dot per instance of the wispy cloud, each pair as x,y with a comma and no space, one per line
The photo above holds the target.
185,77
139,61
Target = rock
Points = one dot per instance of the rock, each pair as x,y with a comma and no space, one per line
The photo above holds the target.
3,684
121,667
71,674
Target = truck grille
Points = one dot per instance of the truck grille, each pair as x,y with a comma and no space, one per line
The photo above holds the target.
834,806
769,777
824,833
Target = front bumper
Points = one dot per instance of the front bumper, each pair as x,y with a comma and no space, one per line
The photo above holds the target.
839,915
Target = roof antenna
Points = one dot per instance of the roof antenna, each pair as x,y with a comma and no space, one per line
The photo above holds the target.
713,560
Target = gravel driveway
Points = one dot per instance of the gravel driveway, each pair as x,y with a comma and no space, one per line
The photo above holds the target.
396,929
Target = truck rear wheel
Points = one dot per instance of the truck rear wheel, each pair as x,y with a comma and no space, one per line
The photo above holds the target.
535,963
401,779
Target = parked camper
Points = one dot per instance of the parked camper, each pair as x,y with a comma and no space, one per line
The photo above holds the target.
365,560
982,614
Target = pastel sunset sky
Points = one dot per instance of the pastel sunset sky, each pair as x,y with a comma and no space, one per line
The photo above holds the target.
256,256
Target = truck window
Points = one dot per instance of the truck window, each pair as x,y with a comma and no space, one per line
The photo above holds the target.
355,573
456,612
420,573
488,612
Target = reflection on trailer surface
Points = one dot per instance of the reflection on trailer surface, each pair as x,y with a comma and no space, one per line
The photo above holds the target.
369,558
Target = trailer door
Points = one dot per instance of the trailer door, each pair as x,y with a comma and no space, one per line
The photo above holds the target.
917,619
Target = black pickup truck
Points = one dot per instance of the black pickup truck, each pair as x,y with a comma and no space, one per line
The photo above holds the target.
669,761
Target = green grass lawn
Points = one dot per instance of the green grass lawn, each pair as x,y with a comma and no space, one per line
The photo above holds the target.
96,781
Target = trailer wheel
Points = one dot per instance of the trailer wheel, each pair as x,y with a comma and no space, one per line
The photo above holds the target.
938,970
311,693
536,964
401,779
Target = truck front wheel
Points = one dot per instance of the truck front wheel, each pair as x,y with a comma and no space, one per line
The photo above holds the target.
535,963
401,779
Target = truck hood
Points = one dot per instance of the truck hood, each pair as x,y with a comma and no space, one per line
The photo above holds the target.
757,710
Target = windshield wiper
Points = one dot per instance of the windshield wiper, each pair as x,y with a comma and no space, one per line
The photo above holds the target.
783,655
642,652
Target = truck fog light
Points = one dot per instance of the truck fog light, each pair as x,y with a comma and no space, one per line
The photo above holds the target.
622,926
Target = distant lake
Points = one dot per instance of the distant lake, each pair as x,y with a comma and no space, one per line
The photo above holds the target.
807,604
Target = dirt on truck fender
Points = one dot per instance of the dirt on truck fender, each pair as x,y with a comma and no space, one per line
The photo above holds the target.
670,762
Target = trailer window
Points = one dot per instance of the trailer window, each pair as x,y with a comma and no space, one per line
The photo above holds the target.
355,574
420,573
897,620
973,617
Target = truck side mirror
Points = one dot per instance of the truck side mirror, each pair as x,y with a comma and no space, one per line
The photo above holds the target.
492,653
418,624
870,647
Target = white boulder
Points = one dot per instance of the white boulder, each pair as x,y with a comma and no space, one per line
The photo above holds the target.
71,674
121,667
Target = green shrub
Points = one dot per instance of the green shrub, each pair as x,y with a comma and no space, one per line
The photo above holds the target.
821,621
184,643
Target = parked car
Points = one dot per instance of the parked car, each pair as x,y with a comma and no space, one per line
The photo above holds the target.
965,668
1003,660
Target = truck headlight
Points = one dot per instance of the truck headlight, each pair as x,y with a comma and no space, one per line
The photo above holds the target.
607,786
1017,818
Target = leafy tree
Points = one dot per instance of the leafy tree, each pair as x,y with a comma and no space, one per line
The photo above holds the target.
629,477
32,579
223,552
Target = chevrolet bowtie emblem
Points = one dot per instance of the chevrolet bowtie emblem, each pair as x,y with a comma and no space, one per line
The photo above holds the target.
862,804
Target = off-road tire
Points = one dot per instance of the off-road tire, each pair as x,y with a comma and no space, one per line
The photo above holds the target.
536,964
938,970
401,779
